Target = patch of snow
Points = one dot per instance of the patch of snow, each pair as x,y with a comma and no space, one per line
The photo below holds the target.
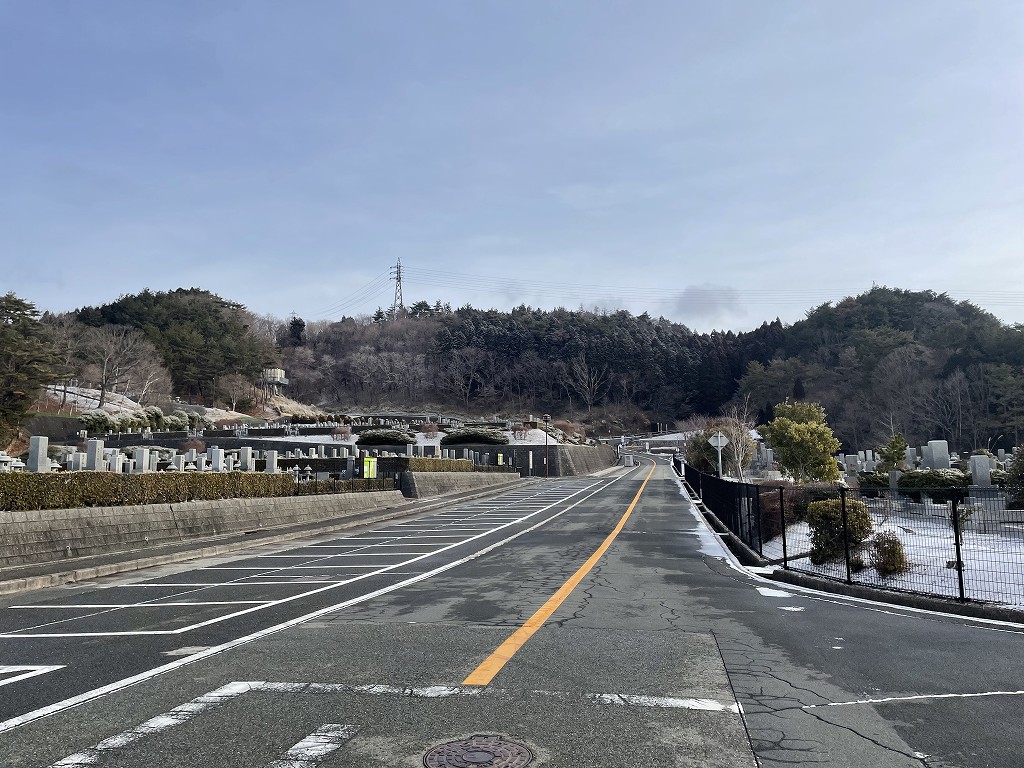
993,561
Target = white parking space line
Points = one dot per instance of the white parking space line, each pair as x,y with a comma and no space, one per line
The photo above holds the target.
263,568
138,605
149,674
26,672
312,749
28,633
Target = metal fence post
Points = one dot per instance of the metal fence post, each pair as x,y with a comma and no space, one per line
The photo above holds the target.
846,536
782,519
955,519
752,490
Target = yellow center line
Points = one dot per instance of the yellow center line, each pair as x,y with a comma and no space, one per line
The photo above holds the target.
493,664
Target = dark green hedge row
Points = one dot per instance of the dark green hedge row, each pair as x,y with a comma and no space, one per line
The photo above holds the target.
392,464
68,490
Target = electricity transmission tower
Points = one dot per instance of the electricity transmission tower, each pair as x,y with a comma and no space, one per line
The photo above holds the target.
398,306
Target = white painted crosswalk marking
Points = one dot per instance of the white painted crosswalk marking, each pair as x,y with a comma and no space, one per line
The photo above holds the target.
312,749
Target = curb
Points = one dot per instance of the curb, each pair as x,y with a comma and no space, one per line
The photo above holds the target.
29,583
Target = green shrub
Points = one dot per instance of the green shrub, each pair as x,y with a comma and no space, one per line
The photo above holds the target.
887,554
385,437
1000,477
825,519
871,483
941,485
97,422
68,490
395,464
475,435
1015,480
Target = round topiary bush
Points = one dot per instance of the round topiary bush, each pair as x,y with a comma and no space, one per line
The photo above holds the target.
475,435
825,519
385,437
887,554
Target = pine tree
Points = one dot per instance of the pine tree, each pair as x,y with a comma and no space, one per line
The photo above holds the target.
27,359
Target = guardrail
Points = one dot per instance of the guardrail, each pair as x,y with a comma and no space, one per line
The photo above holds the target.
965,543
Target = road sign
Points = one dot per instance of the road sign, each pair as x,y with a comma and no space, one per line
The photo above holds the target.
718,440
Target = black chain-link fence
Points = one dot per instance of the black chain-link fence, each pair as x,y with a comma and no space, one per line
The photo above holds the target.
964,543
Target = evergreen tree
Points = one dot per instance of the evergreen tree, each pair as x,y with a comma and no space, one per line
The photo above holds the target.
803,441
27,360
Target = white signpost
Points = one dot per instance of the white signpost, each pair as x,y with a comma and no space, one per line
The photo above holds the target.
719,441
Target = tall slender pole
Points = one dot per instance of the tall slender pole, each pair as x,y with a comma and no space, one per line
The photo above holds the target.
547,464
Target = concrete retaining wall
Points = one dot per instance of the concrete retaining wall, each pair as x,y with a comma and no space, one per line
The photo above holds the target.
41,536
417,485
584,459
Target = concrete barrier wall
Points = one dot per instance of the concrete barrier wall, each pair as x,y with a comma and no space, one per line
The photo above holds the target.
41,536
418,485
584,459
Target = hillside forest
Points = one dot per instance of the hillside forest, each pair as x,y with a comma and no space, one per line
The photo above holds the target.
886,361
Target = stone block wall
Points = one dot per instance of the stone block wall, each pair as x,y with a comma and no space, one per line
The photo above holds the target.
41,536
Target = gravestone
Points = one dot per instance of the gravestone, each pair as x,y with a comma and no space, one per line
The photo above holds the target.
910,457
321,451
78,461
981,471
94,455
271,467
350,467
178,461
926,457
154,461
38,461
852,463
115,461
245,459
409,450
940,454
216,457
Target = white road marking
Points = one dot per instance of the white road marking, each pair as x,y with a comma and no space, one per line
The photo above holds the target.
793,608
139,605
924,697
26,633
707,705
308,752
26,672
149,674
769,592
328,738
176,716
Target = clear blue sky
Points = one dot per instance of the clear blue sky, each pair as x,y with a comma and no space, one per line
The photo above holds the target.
716,163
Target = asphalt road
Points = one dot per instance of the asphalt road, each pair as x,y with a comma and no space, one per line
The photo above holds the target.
568,623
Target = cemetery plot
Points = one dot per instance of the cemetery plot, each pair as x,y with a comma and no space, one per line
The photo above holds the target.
991,548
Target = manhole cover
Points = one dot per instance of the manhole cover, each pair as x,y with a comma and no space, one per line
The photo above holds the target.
476,751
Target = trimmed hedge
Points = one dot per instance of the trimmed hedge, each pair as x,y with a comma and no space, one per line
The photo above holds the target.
475,435
941,485
20,491
391,464
385,437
